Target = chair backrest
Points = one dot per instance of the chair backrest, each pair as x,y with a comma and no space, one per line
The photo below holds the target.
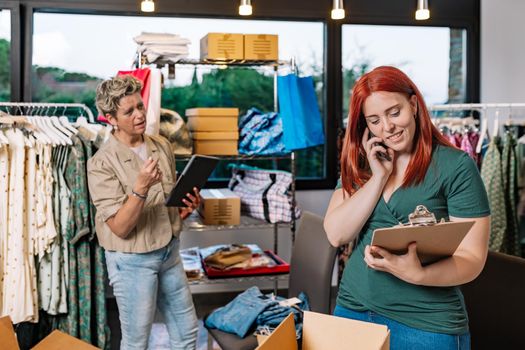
496,303
312,263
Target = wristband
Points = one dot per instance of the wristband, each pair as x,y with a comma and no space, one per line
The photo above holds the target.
143,197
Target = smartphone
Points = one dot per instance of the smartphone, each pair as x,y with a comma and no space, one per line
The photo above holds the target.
381,155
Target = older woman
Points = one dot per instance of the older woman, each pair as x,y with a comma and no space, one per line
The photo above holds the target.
129,178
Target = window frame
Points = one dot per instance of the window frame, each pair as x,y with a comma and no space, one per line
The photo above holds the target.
445,13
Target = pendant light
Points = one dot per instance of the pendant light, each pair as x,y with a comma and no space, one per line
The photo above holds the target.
245,8
147,6
338,11
422,12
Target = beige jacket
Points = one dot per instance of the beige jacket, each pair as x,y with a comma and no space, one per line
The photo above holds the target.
111,175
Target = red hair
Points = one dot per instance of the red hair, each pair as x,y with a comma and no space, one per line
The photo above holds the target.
355,170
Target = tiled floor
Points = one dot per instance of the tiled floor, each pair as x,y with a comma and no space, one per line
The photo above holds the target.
159,339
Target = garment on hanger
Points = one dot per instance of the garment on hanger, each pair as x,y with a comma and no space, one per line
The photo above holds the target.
49,259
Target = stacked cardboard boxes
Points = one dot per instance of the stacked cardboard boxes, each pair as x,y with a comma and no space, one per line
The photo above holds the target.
214,130
237,47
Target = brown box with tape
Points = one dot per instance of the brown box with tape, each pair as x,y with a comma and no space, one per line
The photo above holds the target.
222,47
261,47
220,206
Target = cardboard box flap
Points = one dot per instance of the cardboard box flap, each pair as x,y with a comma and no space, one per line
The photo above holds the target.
7,334
283,337
58,341
329,332
212,112
215,135
218,193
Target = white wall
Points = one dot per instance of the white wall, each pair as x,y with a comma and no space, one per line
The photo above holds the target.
502,51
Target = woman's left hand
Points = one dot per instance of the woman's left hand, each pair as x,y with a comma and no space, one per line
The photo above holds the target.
191,204
406,267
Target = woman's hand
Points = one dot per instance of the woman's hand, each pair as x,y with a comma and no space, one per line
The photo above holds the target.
406,267
379,167
191,205
149,175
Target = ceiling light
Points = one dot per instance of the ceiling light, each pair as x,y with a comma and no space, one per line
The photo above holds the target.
147,6
422,12
245,8
338,12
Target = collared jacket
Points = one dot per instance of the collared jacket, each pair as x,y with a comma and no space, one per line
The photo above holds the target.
112,173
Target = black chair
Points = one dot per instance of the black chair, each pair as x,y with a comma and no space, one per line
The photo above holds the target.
496,303
311,269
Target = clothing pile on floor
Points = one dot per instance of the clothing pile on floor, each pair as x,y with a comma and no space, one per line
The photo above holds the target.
252,309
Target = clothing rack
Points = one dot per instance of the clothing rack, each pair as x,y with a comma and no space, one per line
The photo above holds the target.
29,106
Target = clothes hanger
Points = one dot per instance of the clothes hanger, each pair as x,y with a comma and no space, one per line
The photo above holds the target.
495,130
65,121
60,137
484,131
45,128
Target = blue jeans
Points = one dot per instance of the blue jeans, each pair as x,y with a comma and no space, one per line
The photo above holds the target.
144,282
403,337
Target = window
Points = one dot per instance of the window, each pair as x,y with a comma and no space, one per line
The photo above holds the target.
69,62
5,56
433,57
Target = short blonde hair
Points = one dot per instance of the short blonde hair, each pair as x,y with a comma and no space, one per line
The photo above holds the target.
110,91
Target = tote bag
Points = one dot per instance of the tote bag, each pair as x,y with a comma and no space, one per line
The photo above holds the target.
302,124
265,194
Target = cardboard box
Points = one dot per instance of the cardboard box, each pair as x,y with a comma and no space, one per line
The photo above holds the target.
57,340
212,112
261,47
213,119
222,47
213,124
215,143
327,332
220,207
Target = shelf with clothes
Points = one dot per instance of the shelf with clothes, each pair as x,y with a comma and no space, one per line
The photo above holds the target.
53,254
498,146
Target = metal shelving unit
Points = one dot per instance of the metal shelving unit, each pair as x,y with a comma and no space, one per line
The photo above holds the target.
205,280
193,223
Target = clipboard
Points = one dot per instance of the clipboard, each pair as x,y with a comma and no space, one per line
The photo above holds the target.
195,174
435,240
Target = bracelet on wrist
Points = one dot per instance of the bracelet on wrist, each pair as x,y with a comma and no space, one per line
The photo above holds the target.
140,196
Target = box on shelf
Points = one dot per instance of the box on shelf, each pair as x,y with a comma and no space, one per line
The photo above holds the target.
220,206
261,47
213,119
55,340
212,112
222,46
213,124
221,143
322,331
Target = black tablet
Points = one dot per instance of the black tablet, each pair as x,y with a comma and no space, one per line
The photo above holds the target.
195,174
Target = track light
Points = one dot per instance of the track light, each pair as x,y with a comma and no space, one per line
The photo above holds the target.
338,11
245,8
422,12
147,6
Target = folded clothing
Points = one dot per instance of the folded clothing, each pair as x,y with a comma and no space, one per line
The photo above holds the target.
228,255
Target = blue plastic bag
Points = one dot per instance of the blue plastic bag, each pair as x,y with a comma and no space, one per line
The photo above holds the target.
302,123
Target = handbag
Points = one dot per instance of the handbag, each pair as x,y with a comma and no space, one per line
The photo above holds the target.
265,194
302,123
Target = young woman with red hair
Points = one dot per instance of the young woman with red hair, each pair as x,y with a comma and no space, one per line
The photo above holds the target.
394,159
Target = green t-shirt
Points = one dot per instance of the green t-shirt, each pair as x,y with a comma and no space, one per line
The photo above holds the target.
452,186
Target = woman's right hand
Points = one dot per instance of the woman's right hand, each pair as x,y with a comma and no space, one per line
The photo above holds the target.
379,166
149,175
